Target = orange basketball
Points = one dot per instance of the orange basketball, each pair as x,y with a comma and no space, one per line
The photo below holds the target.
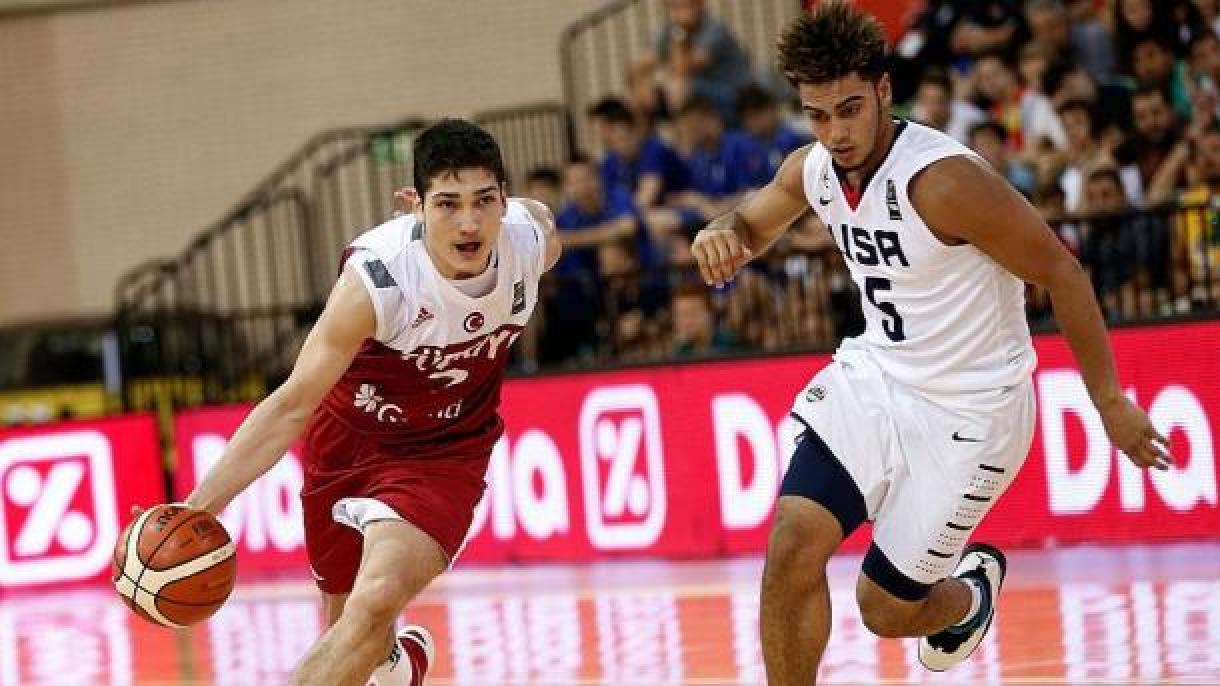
174,566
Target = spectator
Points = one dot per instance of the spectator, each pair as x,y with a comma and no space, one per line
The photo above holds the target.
762,120
694,326
1035,58
632,302
1126,254
1209,14
1026,115
592,215
700,56
646,97
987,138
634,159
1067,80
544,185
1085,42
936,106
1153,64
1085,155
987,26
1168,23
723,165
1197,225
1156,133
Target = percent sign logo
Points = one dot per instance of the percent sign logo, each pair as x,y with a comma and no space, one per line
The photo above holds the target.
58,521
620,436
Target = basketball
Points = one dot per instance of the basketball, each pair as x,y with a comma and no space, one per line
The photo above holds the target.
174,566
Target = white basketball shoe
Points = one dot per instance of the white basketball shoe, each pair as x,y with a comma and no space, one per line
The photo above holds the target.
982,566
409,659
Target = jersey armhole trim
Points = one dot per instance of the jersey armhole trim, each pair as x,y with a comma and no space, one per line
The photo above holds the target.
355,264
927,229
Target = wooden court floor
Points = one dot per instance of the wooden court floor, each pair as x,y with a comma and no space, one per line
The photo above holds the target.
1115,615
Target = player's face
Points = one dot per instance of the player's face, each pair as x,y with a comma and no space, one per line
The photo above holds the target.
463,212
847,116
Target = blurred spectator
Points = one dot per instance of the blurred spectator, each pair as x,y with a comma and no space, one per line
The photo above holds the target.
723,165
1127,253
1033,61
1165,21
936,106
1085,155
985,26
1068,80
633,303
592,215
634,159
1209,14
694,325
544,185
1205,60
1153,64
1084,41
1197,225
987,138
1156,132
646,97
762,120
700,56
1026,115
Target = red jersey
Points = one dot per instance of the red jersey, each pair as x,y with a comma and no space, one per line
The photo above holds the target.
428,383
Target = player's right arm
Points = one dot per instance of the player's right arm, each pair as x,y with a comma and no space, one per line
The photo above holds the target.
730,240
346,322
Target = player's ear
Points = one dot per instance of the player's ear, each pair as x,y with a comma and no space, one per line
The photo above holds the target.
885,91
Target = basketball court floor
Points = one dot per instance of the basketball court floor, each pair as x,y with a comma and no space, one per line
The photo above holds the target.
1090,615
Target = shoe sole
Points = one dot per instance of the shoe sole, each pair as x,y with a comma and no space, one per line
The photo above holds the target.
998,556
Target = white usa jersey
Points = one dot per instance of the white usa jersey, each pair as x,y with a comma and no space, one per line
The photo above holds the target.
429,380
944,319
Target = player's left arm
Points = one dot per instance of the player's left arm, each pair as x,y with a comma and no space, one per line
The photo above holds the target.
546,225
963,200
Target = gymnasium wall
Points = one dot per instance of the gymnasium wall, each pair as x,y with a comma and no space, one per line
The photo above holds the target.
124,130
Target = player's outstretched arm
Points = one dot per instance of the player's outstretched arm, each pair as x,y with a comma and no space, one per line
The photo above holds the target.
730,240
347,320
962,199
546,223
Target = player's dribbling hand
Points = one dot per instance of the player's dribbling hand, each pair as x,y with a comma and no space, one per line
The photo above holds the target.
719,253
1132,432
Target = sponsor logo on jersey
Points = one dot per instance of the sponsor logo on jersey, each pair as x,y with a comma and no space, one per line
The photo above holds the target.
518,297
891,201
474,322
815,393
367,399
423,316
442,362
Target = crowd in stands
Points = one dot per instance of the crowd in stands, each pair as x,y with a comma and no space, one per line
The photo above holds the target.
1103,114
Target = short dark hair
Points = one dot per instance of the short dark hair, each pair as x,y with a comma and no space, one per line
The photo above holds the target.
1056,73
579,158
1200,37
989,126
1150,89
450,145
611,110
1107,173
1078,105
936,76
543,175
698,104
832,41
754,98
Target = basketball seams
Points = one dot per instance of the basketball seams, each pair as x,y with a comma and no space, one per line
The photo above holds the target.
160,578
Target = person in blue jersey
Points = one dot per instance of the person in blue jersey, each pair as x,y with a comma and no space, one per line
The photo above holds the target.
762,120
635,159
723,163
921,422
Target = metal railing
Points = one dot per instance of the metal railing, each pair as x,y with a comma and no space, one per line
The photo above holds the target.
597,51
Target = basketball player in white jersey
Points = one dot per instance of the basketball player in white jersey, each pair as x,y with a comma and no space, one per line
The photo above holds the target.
395,393
920,423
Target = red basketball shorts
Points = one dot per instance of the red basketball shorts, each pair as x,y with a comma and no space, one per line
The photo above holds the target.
436,494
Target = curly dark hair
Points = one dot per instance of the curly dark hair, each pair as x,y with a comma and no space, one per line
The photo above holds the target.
453,144
830,42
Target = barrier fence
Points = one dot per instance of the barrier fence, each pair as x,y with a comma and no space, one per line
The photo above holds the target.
681,461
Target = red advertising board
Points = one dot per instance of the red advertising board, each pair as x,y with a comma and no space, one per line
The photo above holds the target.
66,491
685,461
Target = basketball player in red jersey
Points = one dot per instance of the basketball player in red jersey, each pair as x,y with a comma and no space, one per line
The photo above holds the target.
396,392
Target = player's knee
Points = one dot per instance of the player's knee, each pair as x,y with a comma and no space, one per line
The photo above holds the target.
883,614
375,602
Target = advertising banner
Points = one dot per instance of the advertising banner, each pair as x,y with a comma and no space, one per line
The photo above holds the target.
685,460
66,491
